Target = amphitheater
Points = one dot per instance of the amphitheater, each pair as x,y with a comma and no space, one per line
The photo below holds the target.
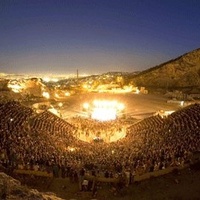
145,141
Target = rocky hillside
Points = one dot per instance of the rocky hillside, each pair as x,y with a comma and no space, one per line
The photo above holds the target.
180,73
12,189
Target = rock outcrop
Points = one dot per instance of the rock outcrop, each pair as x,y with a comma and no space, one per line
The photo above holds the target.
11,189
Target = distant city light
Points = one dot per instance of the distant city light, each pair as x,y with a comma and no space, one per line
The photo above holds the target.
46,79
54,80
15,87
182,103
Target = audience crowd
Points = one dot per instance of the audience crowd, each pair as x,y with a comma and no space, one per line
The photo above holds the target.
92,130
46,142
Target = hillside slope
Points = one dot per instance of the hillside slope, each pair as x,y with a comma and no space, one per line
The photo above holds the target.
182,72
11,189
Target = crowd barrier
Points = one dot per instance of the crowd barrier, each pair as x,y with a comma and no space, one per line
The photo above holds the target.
32,172
114,180
158,173
103,179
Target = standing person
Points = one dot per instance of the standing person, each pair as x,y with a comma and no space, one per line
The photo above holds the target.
85,185
95,188
128,176
132,176
81,178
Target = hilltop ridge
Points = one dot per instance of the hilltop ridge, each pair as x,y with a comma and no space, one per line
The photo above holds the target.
181,72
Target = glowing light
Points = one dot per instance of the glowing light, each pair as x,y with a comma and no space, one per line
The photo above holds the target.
164,114
104,114
46,79
54,111
120,106
104,110
60,104
137,91
85,86
46,95
86,106
67,94
15,87
57,95
54,80
71,149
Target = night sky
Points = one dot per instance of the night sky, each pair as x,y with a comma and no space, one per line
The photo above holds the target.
95,36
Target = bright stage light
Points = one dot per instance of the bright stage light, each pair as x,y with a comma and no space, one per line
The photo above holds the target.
104,114
104,110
